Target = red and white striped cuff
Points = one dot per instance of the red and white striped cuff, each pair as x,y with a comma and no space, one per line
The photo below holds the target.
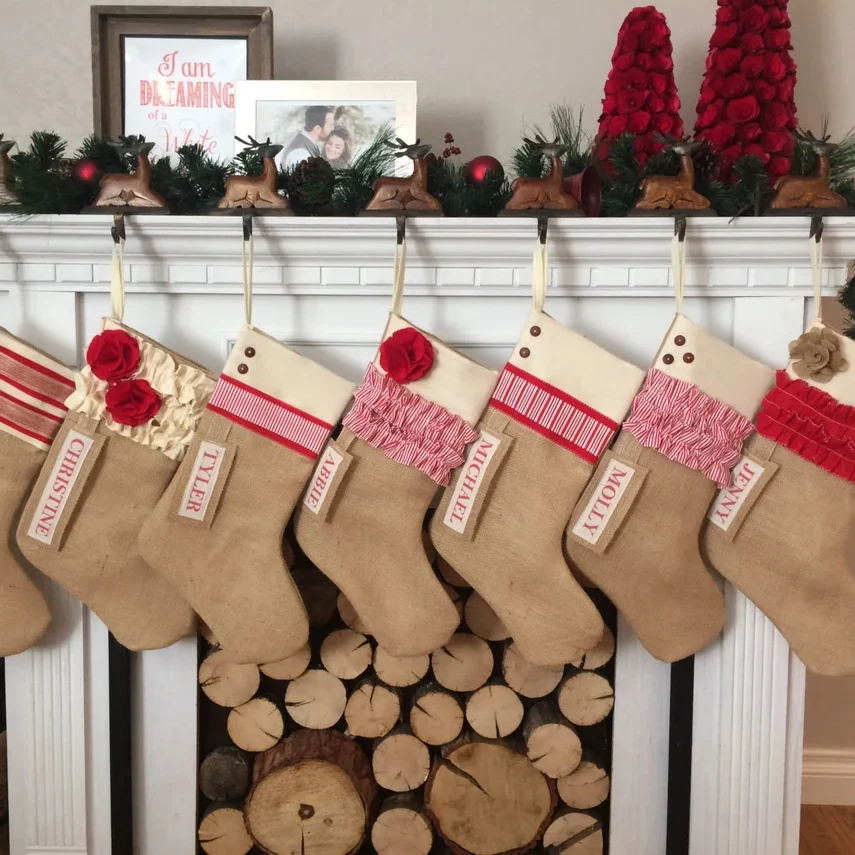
269,417
554,414
33,391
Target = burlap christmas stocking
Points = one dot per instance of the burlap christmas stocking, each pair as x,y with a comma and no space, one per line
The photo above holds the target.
216,534
361,518
635,531
33,389
557,405
129,422
783,532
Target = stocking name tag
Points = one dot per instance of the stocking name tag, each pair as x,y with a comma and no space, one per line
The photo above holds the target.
470,481
327,477
606,502
202,484
54,500
733,503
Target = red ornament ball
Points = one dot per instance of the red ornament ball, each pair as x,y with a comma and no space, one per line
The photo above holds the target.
86,170
477,169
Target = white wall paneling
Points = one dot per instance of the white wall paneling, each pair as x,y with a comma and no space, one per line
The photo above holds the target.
324,287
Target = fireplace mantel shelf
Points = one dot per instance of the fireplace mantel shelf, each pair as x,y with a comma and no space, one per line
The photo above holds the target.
323,286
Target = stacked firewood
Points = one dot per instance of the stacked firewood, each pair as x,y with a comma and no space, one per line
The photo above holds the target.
344,748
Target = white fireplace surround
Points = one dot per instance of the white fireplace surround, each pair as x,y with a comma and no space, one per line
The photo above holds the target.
323,285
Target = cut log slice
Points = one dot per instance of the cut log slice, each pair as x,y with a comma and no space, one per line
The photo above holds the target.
574,833
226,683
482,620
436,715
224,775
586,698
348,614
402,827
401,762
527,679
455,596
450,574
552,744
314,795
316,700
290,668
319,593
587,787
599,656
494,711
222,831
464,664
487,799
346,653
372,710
256,725
400,671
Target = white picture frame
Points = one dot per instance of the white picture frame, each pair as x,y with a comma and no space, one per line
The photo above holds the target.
277,109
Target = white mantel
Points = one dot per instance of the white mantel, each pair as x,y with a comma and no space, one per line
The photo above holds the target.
323,285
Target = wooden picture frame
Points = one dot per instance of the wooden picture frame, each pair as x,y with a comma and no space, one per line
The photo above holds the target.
111,24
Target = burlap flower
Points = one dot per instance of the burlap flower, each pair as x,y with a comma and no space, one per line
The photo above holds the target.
817,355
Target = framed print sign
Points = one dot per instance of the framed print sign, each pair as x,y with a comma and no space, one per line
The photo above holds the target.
335,120
170,73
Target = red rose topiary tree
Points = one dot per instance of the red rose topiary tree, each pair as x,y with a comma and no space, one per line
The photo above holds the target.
641,95
746,105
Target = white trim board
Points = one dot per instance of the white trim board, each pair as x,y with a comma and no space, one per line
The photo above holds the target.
828,776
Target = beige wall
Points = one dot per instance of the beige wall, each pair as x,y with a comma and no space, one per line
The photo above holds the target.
484,68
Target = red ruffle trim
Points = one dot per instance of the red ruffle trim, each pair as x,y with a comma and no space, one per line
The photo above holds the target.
408,428
678,420
811,424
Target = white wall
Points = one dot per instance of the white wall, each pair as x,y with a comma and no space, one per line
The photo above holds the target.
484,67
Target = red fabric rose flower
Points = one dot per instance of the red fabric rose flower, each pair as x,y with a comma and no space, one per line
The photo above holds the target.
658,83
752,66
113,355
776,141
635,78
630,100
778,39
786,89
727,60
749,132
721,135
776,68
625,61
755,18
725,35
638,122
779,166
764,91
743,110
725,15
616,125
664,123
775,116
755,150
778,17
711,115
609,104
752,42
735,86
663,62
406,355
644,61
132,402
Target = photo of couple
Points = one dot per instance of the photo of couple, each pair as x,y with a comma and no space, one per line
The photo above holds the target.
336,133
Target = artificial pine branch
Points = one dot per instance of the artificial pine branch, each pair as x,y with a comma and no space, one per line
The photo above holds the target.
354,186
567,127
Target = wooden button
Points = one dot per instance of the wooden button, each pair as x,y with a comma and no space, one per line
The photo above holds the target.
680,340
525,352
667,359
688,357
249,352
242,369
535,331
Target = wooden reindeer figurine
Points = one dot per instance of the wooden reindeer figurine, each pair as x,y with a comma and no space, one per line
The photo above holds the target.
134,190
7,194
674,191
801,191
405,194
543,194
256,191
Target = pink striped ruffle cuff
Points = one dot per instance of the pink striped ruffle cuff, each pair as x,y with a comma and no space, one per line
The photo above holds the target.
559,417
676,419
269,417
408,428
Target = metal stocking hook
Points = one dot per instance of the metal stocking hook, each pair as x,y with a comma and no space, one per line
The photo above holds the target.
247,226
401,223
542,229
117,230
816,228
680,228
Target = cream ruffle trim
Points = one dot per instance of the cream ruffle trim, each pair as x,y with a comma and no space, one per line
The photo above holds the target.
183,389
